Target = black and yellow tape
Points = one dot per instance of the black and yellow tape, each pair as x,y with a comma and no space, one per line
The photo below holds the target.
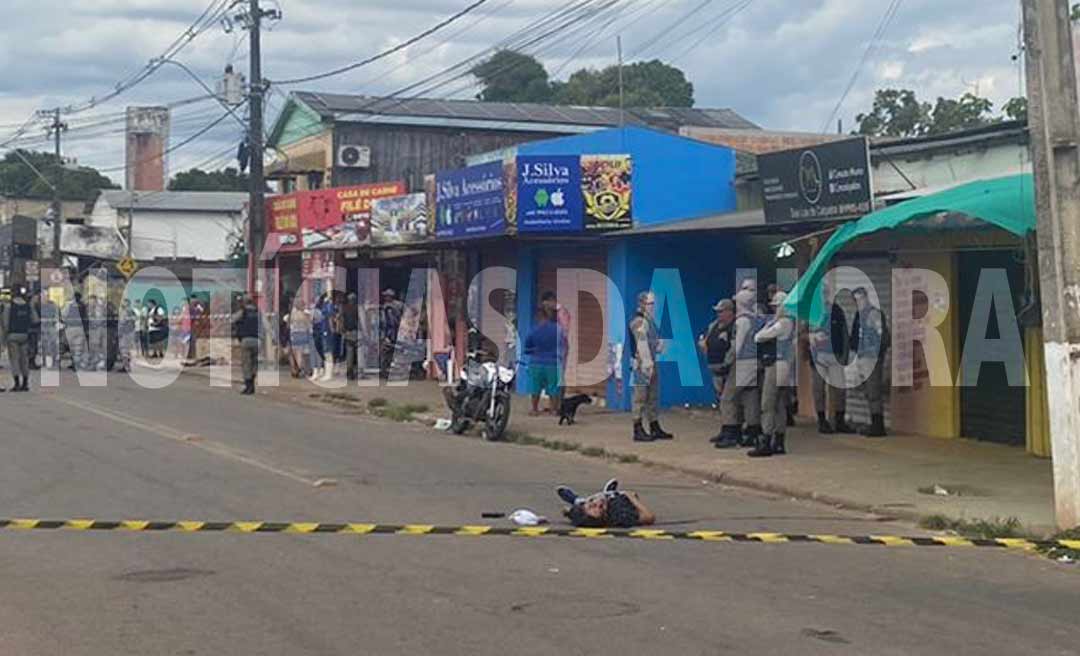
525,532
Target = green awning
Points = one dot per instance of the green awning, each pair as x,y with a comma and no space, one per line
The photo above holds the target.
1008,203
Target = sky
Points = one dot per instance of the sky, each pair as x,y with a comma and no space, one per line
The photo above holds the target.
784,64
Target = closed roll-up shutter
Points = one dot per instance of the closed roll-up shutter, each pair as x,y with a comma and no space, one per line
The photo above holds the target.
879,271
588,341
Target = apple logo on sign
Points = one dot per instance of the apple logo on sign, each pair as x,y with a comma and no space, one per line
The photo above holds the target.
558,199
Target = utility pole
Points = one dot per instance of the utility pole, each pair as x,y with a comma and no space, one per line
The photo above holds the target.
57,128
256,200
1054,124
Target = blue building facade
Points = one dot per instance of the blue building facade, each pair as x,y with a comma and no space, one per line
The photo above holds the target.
674,179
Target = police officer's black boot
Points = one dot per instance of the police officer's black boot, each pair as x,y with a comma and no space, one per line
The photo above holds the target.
750,437
840,425
779,448
26,384
823,426
728,438
659,433
640,435
17,385
876,428
762,446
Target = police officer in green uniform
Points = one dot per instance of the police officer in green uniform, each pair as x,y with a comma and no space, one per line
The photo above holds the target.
870,341
644,349
18,318
246,330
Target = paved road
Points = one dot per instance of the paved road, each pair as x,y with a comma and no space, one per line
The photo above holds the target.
202,453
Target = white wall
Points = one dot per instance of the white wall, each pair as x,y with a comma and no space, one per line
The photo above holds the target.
947,168
203,236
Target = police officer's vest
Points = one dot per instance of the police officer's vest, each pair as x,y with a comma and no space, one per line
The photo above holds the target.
248,324
776,349
872,342
19,318
653,338
749,348
718,343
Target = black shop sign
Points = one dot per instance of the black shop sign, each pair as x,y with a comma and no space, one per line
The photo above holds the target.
822,183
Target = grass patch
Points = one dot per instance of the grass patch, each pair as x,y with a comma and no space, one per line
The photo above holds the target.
378,402
399,413
593,452
989,529
1063,552
628,459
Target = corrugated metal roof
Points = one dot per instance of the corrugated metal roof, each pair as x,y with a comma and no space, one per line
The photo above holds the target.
332,106
177,201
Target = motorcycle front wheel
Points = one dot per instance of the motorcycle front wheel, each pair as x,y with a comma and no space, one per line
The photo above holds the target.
496,425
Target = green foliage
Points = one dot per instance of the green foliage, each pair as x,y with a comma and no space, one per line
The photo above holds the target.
1074,15
899,113
228,179
510,76
990,529
645,84
19,180
1016,109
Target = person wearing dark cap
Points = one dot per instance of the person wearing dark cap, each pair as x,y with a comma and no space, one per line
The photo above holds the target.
715,343
246,329
870,341
17,320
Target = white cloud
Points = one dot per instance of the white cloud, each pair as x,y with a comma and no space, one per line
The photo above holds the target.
782,64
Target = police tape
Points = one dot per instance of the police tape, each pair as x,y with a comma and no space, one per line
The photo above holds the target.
308,528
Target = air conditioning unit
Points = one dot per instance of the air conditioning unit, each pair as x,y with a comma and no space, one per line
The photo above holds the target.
354,157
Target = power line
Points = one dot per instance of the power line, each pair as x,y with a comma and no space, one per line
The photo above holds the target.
886,20
669,29
173,148
710,27
386,53
213,12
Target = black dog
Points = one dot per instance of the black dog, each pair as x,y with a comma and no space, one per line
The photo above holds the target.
569,407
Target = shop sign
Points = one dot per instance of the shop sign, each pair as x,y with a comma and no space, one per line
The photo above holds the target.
285,221
399,219
606,187
824,183
572,193
470,202
549,194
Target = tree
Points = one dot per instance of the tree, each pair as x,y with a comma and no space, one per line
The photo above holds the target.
645,84
896,113
19,180
970,111
1074,15
899,113
509,76
1016,109
228,179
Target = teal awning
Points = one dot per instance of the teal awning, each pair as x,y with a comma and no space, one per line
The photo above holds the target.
1008,203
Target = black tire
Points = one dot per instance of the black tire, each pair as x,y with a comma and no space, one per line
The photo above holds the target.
496,428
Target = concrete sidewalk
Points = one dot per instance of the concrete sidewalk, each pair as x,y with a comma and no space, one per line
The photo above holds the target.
900,476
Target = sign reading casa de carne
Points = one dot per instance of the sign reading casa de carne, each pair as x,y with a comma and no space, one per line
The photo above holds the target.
827,182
